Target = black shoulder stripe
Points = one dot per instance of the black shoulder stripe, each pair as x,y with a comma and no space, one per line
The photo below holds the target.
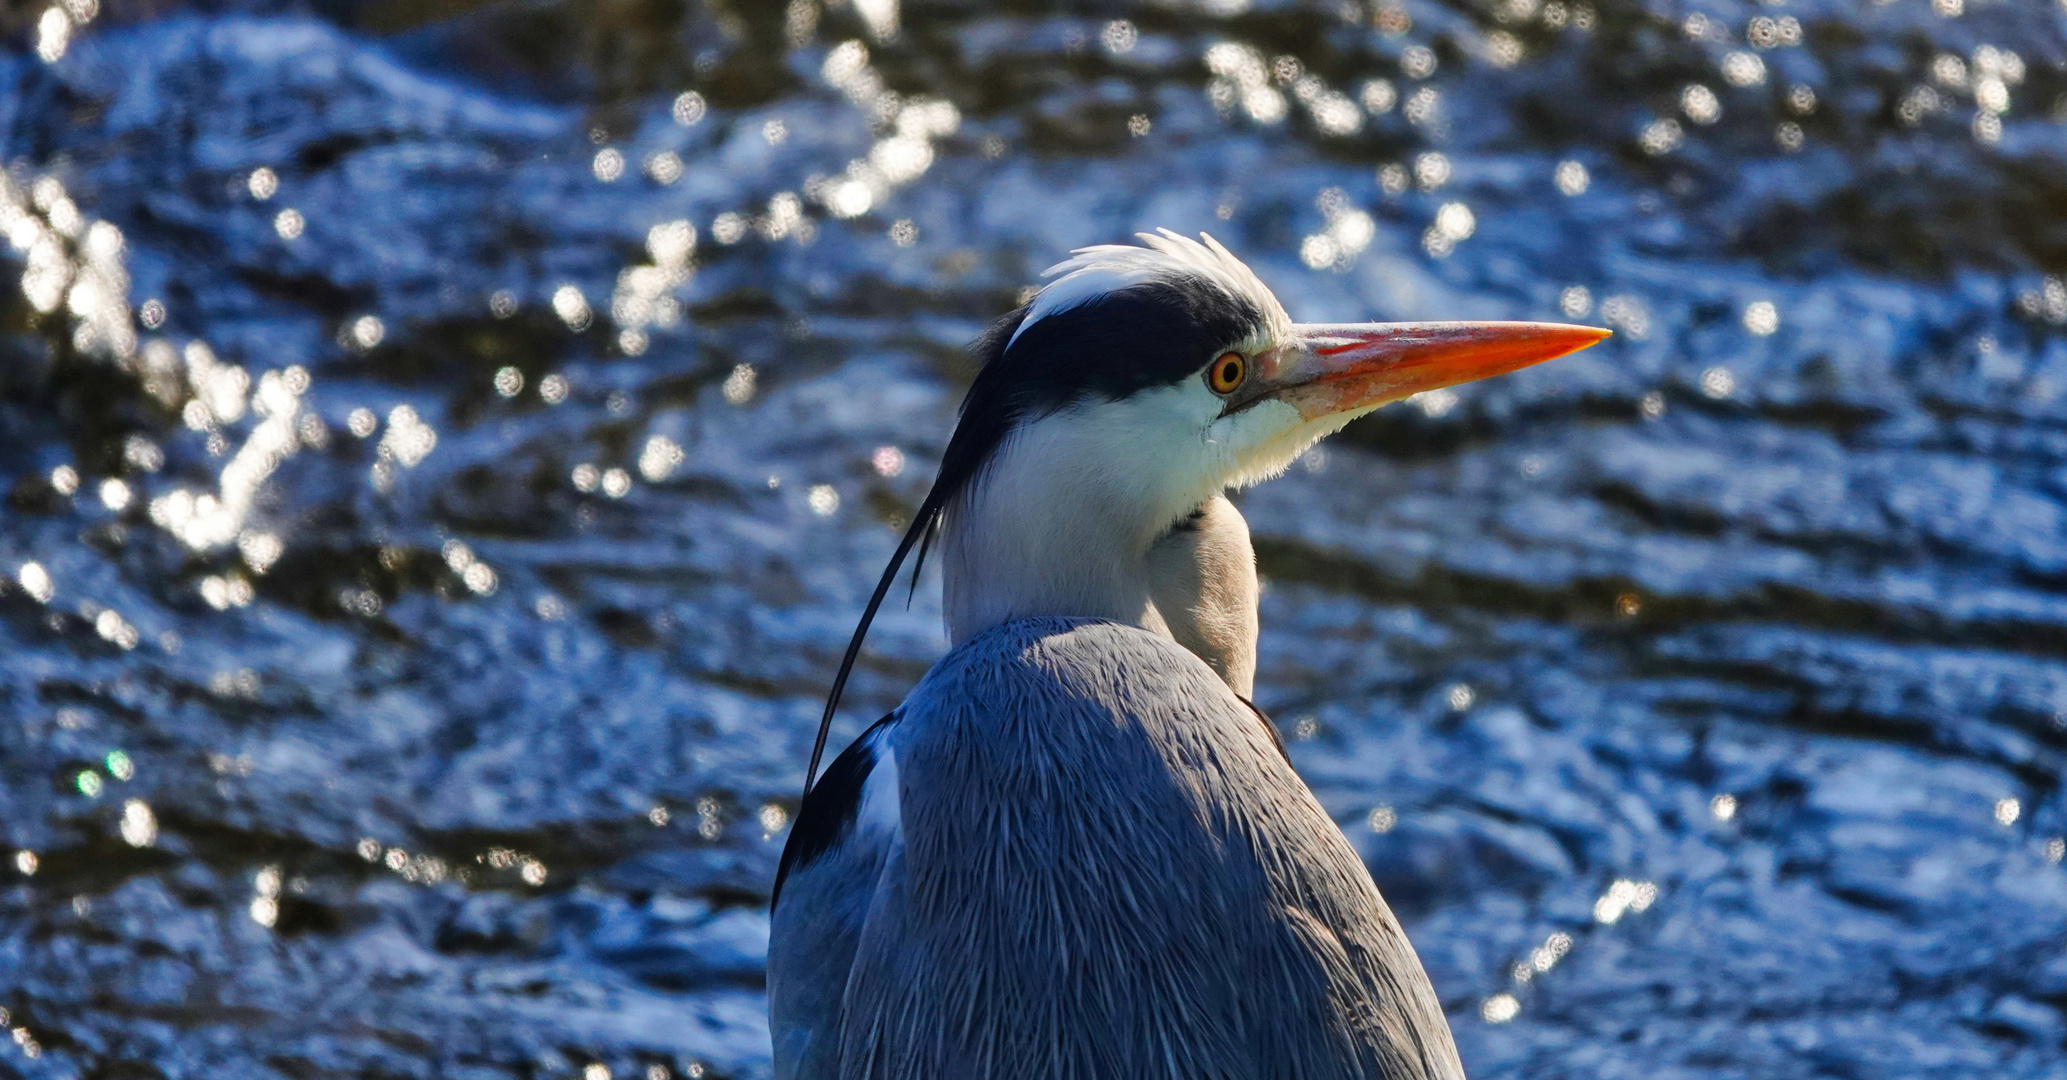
829,807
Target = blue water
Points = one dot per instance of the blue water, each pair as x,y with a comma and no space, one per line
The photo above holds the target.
414,677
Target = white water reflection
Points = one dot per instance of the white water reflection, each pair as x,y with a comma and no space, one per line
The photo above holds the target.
205,520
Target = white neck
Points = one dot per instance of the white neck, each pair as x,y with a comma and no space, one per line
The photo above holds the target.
1064,520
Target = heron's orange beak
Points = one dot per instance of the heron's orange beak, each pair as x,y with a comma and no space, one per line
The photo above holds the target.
1333,368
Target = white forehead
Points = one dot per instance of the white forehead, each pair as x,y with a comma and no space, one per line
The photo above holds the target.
1093,272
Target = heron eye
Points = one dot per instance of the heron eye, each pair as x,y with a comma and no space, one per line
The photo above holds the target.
1227,373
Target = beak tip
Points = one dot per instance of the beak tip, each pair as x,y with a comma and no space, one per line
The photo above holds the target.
1584,337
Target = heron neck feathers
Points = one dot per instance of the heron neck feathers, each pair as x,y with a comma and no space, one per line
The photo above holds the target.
1202,579
1048,528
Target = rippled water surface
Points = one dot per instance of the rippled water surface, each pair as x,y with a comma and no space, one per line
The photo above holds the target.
445,446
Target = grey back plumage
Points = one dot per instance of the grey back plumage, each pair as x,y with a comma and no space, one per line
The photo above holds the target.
1097,866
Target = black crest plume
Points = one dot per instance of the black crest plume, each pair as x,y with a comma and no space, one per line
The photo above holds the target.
957,466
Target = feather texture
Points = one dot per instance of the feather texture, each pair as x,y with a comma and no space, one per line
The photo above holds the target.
1102,869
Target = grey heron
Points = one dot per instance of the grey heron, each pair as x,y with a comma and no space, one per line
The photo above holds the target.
1077,850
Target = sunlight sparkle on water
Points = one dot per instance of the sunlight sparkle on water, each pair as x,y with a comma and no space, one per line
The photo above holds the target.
408,439
1242,79
665,167
738,387
264,908
53,34
1622,897
1571,178
730,228
139,824
36,581
1700,104
1118,37
1661,137
572,307
1545,956
1500,1008
1742,69
113,628
1453,224
1431,170
1378,96
1626,313
659,459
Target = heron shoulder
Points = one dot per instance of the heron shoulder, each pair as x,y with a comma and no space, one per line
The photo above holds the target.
1110,703
1017,668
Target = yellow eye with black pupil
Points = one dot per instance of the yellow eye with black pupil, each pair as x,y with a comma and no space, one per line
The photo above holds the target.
1227,373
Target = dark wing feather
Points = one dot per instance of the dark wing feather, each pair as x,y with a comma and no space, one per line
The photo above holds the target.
823,888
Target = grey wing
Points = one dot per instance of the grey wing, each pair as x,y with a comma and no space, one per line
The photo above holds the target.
1105,870
845,833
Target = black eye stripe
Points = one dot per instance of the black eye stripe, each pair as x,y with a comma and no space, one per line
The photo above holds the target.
1134,339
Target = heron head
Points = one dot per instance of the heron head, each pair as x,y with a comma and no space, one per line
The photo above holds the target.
1169,373
1116,406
